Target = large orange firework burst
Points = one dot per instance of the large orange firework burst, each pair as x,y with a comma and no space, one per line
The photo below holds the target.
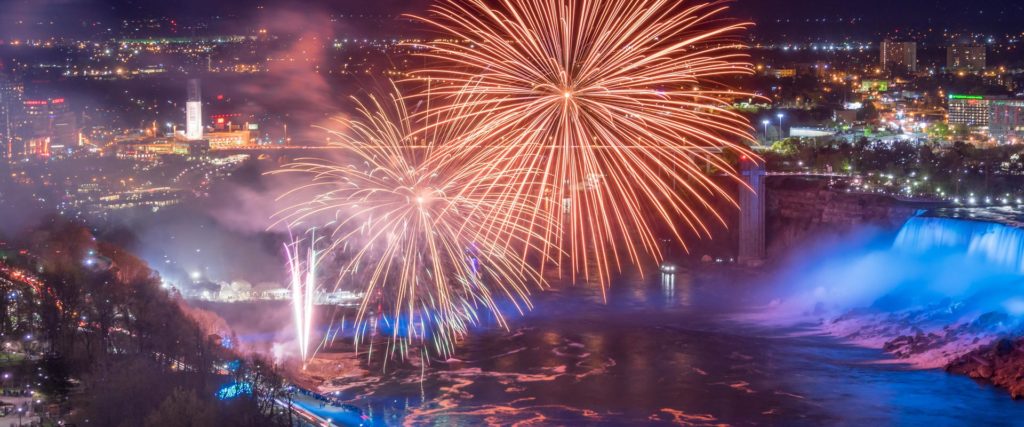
617,102
427,237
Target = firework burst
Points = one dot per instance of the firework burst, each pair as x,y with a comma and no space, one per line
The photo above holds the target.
427,238
617,102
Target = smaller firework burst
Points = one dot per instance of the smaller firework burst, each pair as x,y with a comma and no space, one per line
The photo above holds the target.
432,241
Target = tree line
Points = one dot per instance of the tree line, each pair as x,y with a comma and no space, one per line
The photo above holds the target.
115,348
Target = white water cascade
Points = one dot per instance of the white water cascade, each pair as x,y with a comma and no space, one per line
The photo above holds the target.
992,243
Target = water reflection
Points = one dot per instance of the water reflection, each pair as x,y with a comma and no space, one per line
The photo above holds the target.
676,289
664,350
668,286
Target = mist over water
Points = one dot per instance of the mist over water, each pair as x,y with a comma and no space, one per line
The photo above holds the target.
974,265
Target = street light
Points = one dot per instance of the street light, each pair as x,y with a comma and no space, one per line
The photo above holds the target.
765,123
780,116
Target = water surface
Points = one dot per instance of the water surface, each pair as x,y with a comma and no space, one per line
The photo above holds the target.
667,350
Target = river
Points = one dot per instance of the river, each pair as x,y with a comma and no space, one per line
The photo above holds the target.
668,350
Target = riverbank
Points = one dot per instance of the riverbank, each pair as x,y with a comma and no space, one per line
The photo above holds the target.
1000,363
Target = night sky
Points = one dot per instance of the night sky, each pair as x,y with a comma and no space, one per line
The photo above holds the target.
857,18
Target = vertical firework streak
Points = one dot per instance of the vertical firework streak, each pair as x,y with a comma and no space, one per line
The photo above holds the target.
617,102
303,284
427,237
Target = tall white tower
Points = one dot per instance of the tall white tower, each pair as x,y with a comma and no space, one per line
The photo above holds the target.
194,112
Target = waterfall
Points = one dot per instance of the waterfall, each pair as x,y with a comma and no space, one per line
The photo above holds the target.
994,243
942,287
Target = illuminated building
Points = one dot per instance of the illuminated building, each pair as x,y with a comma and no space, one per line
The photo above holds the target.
899,56
194,112
37,109
11,115
229,134
869,85
225,121
50,119
969,110
1006,120
37,147
153,148
230,139
965,57
784,72
152,197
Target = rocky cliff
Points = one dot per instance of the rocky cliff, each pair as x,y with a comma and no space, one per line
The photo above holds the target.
1000,363
798,209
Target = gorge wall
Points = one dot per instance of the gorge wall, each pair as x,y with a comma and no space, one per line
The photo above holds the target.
799,208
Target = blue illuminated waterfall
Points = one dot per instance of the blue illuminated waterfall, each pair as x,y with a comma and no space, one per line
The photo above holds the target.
998,245
934,261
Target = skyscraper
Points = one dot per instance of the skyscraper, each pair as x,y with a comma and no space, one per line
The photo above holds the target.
899,56
12,94
194,112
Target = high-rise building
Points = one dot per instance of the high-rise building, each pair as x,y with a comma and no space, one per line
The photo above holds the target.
899,56
969,110
50,123
965,57
194,112
1006,120
12,109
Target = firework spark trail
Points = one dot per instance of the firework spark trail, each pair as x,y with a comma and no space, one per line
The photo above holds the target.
616,101
427,238
303,284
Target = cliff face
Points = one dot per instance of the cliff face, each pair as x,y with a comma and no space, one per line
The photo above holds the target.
798,209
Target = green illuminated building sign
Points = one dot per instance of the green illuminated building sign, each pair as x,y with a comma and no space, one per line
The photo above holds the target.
976,97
